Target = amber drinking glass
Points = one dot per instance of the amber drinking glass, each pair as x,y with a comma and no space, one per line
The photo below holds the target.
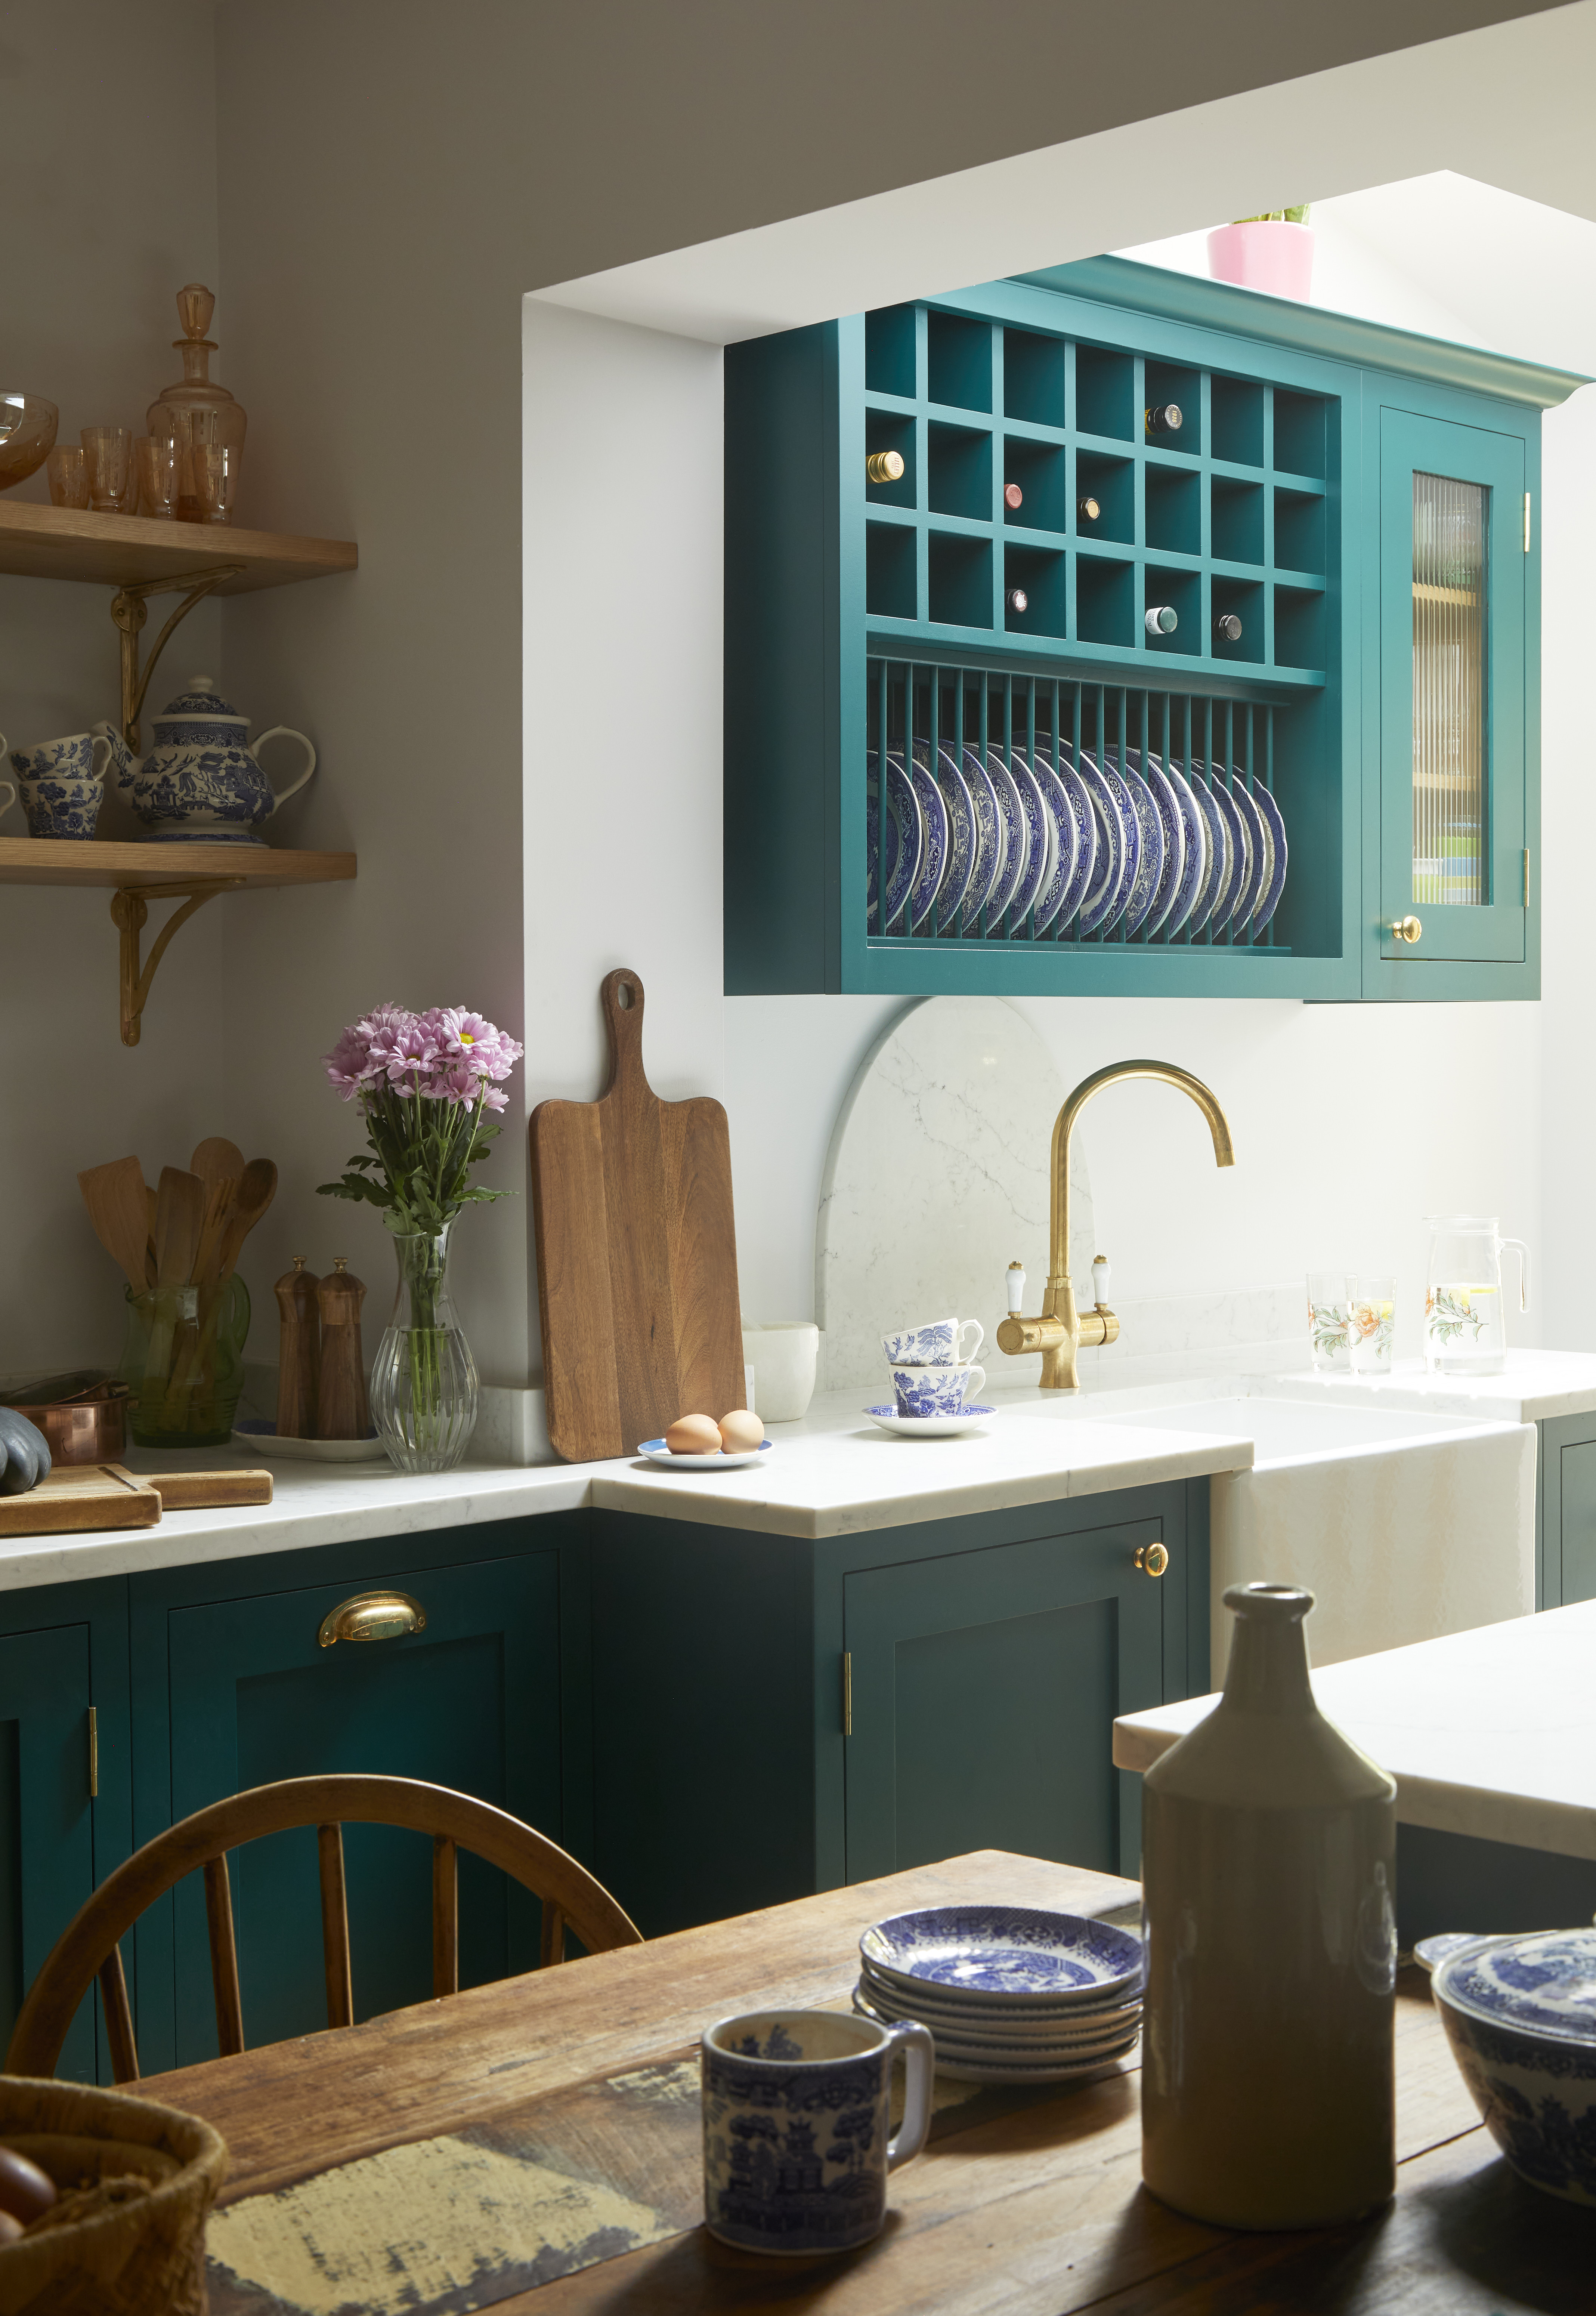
215,466
68,472
108,453
156,466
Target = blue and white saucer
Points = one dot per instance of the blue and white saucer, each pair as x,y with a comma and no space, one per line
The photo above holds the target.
991,834
657,1452
1273,820
1149,866
904,829
995,1955
929,1427
1016,835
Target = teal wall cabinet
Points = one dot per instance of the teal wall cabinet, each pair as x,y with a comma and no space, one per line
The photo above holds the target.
994,594
775,1715
232,1690
64,1782
1565,1511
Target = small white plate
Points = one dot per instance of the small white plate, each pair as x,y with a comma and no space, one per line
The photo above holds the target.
929,1427
261,1438
657,1452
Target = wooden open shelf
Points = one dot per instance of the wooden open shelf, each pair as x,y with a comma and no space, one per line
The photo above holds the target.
128,867
122,551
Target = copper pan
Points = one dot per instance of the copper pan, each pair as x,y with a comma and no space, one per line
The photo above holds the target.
89,1428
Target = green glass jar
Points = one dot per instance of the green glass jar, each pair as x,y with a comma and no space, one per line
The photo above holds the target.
183,1363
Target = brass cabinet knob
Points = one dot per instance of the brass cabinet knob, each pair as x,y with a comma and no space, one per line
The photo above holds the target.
1407,929
885,466
1152,1559
372,1616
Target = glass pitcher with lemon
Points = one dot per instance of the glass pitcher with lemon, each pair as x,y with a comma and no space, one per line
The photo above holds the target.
1465,1325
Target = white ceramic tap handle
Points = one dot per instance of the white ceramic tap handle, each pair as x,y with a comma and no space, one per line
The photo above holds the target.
1014,1279
285,731
1523,1252
1101,1278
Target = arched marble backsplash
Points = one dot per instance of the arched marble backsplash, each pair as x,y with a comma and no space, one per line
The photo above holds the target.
936,1179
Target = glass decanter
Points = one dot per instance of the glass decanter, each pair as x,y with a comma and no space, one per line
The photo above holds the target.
198,417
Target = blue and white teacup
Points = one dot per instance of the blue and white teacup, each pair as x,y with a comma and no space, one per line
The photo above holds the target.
937,1344
936,1391
796,2150
62,784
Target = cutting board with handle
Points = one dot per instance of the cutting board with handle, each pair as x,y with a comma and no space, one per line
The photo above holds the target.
636,1253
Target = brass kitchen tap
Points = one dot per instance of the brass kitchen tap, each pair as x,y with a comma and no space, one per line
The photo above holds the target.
1061,1330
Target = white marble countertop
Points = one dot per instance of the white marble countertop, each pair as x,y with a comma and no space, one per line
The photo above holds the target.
1490,1732
1537,1385
834,1473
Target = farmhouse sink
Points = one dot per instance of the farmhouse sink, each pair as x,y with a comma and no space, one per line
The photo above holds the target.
1403,1523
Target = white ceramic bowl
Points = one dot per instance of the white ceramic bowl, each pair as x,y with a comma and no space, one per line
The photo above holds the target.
783,1354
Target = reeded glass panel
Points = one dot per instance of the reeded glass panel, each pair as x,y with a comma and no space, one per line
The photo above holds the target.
1449,692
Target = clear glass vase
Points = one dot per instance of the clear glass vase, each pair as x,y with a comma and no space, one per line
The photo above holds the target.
423,1379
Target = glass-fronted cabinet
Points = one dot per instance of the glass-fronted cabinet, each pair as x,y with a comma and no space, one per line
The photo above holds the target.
1456,854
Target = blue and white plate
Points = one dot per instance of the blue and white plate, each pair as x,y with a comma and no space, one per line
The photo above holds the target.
931,1426
1199,844
1070,810
992,845
1259,847
1269,900
1240,854
1220,852
657,1452
934,857
1017,2030
1172,815
961,833
1116,820
1043,858
974,2062
905,838
997,1954
1149,866
1016,837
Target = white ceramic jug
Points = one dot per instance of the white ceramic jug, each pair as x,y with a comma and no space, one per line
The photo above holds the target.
1465,1325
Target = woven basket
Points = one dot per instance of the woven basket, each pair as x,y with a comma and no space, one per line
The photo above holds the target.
145,2257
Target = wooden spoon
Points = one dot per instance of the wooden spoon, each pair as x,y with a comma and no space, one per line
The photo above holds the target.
114,1196
180,1216
215,1160
220,1196
254,1194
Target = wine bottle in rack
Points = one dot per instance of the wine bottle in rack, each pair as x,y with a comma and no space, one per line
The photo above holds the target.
1161,619
1088,509
885,466
1227,628
1017,600
1164,418
1012,496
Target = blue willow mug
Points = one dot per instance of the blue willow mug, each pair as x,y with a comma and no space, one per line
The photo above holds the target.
62,783
795,2146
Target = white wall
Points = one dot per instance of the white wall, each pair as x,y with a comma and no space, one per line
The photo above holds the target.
103,227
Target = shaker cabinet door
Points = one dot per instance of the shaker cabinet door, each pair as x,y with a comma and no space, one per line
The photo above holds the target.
984,1691
47,1855
473,1702
1452,590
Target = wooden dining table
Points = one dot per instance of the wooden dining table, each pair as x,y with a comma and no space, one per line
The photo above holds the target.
533,2147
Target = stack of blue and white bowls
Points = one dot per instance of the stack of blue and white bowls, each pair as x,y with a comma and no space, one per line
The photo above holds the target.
1011,1994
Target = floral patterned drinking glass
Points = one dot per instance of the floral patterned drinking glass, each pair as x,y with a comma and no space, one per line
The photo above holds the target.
1329,1302
1372,1325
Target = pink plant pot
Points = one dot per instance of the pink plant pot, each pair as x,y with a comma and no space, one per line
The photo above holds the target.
1266,253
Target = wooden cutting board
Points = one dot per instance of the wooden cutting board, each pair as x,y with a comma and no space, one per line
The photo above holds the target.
636,1253
81,1496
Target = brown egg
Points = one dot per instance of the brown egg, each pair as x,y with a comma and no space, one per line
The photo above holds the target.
694,1435
739,1431
25,2190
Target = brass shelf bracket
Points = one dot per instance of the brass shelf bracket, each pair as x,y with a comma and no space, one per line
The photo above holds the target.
129,915
127,610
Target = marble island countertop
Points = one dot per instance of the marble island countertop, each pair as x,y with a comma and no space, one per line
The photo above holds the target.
833,1474
1490,1732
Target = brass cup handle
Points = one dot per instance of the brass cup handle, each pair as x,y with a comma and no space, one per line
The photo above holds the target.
1406,928
1152,1559
372,1616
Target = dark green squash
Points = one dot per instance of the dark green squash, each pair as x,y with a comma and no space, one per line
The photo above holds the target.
24,1454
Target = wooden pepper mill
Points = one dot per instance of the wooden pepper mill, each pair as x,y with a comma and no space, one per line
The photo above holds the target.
300,1352
341,1411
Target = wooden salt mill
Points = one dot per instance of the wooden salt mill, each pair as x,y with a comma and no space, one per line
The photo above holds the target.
300,1352
341,1411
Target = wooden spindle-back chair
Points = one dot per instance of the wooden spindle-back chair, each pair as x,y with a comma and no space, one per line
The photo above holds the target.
89,1947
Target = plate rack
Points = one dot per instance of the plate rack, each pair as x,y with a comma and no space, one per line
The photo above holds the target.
929,706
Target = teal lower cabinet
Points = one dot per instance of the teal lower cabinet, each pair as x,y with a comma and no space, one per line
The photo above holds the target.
775,1715
64,1781
232,1690
1566,1510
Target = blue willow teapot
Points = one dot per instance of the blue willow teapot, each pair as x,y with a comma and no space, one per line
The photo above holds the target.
202,783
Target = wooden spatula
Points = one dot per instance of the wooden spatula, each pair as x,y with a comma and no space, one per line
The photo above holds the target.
256,1189
217,1159
180,1216
114,1196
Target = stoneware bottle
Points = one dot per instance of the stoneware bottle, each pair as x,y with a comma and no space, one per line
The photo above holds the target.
1268,1871
341,1410
299,1351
